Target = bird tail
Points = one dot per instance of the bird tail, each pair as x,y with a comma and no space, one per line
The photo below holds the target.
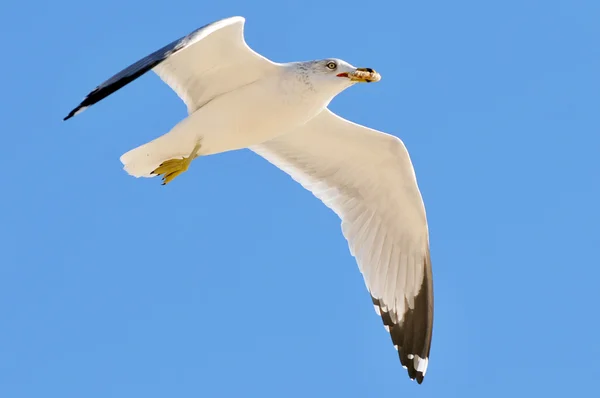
176,144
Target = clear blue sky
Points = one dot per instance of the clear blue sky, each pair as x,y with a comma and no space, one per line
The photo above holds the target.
235,282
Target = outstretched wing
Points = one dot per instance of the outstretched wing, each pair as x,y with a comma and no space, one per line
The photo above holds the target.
208,62
366,177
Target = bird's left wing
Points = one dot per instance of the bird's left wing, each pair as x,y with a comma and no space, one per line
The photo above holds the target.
366,177
210,61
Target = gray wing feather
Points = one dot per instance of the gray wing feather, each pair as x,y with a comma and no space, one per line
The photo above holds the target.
367,178
134,71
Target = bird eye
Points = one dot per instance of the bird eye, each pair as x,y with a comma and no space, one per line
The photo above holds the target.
331,65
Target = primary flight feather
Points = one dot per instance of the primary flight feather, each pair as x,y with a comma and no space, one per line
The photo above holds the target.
237,99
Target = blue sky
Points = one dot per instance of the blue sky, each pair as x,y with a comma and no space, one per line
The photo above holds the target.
234,281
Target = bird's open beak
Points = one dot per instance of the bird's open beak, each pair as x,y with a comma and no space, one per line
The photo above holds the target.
362,75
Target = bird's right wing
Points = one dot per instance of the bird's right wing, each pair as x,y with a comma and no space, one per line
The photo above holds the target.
208,62
366,177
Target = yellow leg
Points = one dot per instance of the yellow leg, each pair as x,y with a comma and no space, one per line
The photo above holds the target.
170,169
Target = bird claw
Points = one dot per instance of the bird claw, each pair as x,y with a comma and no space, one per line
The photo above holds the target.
169,169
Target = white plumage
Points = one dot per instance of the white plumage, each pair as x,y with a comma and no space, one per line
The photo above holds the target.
237,98
367,179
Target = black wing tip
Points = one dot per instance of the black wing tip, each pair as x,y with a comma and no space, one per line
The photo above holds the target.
70,115
411,333
132,72
80,108
408,362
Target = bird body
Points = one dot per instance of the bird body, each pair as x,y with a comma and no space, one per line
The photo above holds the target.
237,99
270,106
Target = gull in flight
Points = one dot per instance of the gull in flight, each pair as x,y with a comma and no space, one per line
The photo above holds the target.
237,99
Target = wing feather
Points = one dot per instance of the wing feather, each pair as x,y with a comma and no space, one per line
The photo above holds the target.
210,61
366,177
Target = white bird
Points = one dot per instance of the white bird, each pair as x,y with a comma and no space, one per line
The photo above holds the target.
237,99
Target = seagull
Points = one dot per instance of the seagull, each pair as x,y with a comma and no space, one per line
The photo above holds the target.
236,98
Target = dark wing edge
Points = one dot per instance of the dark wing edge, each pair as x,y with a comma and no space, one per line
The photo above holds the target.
412,332
133,71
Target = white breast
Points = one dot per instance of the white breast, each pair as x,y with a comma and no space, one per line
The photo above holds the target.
254,114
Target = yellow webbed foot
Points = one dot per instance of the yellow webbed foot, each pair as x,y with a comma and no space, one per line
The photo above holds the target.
169,169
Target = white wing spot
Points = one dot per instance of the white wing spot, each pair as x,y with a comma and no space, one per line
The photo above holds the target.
421,364
83,108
